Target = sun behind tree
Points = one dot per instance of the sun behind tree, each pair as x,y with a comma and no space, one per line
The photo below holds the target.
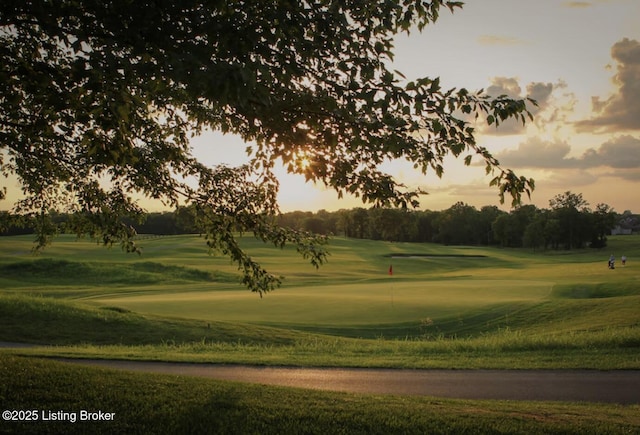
99,101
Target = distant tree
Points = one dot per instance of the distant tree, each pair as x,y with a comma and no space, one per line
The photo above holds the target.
456,225
185,218
344,223
392,225
603,220
571,211
329,221
158,223
501,230
534,233
12,225
426,226
568,200
315,225
99,99
488,214
553,232
294,219
360,223
509,229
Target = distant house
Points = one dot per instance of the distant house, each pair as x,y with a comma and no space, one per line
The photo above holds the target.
620,231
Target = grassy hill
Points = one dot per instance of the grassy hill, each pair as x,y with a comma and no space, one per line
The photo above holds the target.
188,304
443,307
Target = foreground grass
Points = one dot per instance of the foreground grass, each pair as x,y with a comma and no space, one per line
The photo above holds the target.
493,353
145,403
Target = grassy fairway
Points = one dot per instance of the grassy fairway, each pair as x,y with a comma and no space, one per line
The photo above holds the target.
349,305
443,307
495,305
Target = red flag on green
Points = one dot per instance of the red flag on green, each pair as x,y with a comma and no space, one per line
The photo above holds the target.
391,269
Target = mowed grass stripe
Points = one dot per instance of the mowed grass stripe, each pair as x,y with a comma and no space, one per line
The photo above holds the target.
349,304
435,290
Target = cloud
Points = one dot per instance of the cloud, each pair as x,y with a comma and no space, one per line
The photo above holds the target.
509,86
621,110
555,106
504,86
620,153
570,180
537,153
633,176
541,92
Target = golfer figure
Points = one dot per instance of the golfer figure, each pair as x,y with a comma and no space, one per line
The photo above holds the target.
612,260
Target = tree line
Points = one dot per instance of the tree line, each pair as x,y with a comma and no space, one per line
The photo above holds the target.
568,223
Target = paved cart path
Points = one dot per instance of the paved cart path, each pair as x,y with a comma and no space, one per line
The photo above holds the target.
618,386
615,386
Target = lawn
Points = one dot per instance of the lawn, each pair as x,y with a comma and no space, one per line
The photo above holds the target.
443,307
147,403
435,290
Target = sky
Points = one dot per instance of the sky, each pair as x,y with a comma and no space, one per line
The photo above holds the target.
579,59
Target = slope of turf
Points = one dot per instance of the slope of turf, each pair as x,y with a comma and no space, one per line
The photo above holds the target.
59,272
42,320
435,291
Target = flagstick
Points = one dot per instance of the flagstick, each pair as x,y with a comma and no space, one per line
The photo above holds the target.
391,274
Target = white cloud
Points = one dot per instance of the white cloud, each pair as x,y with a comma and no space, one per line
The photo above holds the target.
621,152
621,110
548,109
537,153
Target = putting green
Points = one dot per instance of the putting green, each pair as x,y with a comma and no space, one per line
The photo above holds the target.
380,302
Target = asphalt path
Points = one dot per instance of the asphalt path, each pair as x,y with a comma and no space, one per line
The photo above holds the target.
617,386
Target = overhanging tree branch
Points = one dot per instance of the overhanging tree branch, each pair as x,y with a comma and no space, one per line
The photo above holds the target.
107,96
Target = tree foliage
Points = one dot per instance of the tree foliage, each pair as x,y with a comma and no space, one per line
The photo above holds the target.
461,224
100,98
